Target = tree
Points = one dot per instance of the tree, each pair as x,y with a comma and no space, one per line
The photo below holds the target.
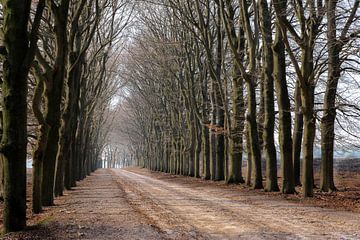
269,118
335,45
250,77
309,26
56,77
237,96
39,92
283,100
17,55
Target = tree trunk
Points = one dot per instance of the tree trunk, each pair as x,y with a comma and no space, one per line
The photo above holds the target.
220,145
14,111
54,96
261,112
249,158
73,109
205,148
41,142
285,140
2,173
197,148
212,133
2,178
64,176
236,130
308,148
297,134
14,139
307,99
269,118
253,137
61,159
329,115
38,169
191,150
251,79
220,113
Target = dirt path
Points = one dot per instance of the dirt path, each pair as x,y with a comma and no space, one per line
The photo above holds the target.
212,212
135,204
96,209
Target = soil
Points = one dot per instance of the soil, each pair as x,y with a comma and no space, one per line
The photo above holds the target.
219,211
96,209
135,203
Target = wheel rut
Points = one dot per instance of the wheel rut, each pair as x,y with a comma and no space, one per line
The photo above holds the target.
218,213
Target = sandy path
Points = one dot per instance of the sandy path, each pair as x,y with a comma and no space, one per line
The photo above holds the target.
212,212
96,209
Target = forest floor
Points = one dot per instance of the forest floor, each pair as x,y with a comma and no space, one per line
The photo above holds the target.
138,204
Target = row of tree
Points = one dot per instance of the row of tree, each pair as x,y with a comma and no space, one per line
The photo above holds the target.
59,74
213,80
115,157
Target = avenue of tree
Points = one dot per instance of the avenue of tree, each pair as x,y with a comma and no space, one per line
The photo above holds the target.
59,74
204,84
211,82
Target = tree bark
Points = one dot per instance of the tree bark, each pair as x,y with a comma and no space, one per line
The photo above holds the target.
250,78
283,101
269,118
285,139
54,96
41,142
236,130
17,55
220,113
249,158
297,134
212,133
307,98
327,122
253,137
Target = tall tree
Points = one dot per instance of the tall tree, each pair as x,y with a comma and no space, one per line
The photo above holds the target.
77,48
57,74
269,118
335,45
252,37
237,122
248,73
17,55
283,100
309,18
39,92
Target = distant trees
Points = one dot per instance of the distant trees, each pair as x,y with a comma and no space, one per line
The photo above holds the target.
73,68
206,76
